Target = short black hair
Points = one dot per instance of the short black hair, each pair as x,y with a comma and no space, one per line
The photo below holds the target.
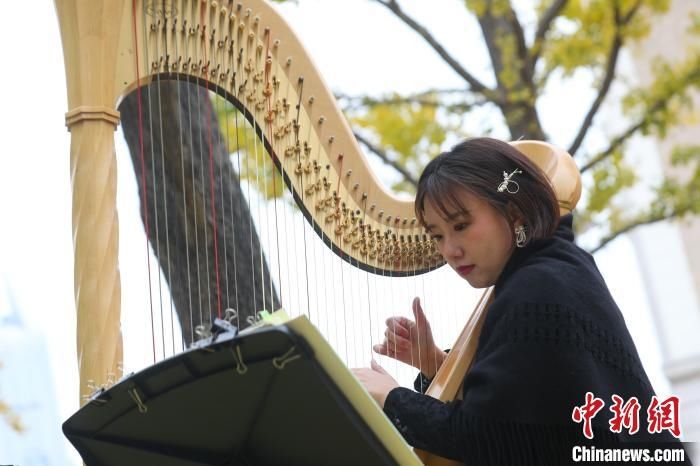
477,166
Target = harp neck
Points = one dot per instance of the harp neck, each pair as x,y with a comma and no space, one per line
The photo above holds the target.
246,52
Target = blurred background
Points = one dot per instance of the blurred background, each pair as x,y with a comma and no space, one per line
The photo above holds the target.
614,82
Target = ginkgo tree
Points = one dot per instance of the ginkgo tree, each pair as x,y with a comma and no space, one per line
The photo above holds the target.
570,37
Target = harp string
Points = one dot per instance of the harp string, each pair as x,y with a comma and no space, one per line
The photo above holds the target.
355,324
149,130
240,202
248,183
343,300
205,64
225,110
270,137
418,326
196,149
259,108
275,144
329,282
220,109
143,178
258,184
185,246
203,207
165,200
168,240
369,300
268,130
302,193
211,189
155,197
307,190
181,130
260,153
365,334
261,204
418,281
176,240
411,290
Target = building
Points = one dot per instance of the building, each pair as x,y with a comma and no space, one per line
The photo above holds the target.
26,386
669,253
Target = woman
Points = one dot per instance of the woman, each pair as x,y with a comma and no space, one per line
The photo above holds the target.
552,334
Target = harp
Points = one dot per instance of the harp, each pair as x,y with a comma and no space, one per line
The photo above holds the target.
246,53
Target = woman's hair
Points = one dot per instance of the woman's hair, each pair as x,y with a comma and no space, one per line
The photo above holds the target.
477,166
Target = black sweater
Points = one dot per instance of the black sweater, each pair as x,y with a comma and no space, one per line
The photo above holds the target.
552,333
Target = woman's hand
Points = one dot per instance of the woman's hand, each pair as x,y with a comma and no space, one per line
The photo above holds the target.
377,381
411,342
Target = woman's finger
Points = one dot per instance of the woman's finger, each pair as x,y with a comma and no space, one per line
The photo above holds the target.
376,367
396,341
389,332
399,325
418,312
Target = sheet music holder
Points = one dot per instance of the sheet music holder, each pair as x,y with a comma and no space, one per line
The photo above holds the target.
275,395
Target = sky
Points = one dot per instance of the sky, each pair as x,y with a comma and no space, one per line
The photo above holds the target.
358,48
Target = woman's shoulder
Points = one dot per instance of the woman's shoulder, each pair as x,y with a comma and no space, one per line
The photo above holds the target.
559,308
558,277
558,271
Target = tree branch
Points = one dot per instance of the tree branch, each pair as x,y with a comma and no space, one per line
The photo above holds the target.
542,28
613,55
505,42
355,102
385,158
526,70
476,85
630,14
642,221
617,142
422,93
645,120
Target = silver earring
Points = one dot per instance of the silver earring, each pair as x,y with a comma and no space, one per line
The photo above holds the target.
520,236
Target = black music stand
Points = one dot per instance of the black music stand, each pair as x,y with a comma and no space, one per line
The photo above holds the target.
258,398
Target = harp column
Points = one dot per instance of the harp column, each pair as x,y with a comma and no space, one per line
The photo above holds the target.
90,36
97,284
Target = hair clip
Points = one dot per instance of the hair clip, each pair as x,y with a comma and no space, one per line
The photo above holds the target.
505,184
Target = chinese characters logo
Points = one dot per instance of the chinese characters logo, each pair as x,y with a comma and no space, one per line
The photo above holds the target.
661,415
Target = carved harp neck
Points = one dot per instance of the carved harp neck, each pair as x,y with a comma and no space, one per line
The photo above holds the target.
246,52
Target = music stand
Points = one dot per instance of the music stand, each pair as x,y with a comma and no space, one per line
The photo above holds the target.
276,395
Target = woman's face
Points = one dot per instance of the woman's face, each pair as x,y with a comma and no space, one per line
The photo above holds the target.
475,241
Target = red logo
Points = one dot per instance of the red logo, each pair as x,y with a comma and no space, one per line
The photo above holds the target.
625,415
587,412
664,416
661,415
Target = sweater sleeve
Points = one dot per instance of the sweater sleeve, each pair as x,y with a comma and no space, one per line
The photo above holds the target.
422,381
450,431
529,373
424,422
